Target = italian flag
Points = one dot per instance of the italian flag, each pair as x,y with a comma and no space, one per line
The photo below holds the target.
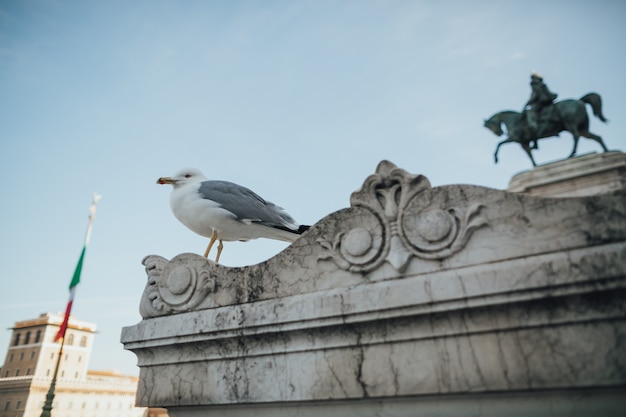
78,270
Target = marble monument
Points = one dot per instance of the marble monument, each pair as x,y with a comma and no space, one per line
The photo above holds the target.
452,300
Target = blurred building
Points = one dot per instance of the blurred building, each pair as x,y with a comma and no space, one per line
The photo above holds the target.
29,367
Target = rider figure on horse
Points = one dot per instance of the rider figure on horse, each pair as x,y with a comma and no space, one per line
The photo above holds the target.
540,98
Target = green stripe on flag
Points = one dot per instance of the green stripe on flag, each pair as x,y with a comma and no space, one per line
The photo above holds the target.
79,268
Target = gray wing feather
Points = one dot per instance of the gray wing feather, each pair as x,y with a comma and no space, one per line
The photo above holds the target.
245,204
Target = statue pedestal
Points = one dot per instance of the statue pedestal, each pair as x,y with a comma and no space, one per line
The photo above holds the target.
456,300
584,175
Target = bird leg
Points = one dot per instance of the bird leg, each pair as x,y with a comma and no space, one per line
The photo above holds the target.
208,248
219,251
219,247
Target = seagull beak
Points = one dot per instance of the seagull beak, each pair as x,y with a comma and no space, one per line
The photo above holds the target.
166,180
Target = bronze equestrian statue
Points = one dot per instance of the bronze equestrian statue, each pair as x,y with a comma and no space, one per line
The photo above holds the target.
541,118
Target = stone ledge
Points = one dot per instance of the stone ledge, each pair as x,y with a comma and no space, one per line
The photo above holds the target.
584,175
564,273
567,341
194,328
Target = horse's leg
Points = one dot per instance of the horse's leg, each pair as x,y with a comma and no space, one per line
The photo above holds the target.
495,155
526,147
595,137
576,135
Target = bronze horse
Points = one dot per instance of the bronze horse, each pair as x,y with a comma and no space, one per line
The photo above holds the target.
570,115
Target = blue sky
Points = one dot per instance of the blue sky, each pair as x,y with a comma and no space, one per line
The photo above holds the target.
297,100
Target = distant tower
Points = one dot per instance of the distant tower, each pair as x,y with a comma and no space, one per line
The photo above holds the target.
32,350
29,366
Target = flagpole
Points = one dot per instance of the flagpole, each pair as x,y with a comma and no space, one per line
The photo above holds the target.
47,407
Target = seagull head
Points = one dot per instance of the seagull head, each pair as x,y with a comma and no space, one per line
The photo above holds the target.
183,177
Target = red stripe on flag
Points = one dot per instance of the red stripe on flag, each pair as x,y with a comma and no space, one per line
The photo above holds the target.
66,319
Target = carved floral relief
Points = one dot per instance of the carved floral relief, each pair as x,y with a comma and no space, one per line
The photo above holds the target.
175,286
400,221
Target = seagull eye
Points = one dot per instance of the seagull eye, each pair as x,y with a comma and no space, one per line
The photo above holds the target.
187,175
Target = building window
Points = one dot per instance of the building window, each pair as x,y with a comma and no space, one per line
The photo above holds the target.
70,340
48,372
32,354
27,338
22,356
75,375
6,374
80,358
18,405
83,341
52,355
16,341
28,371
7,405
37,336
17,372
11,358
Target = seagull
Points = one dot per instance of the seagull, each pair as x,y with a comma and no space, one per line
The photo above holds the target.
224,211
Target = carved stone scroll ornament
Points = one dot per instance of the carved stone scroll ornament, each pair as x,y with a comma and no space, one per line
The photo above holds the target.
175,286
400,218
